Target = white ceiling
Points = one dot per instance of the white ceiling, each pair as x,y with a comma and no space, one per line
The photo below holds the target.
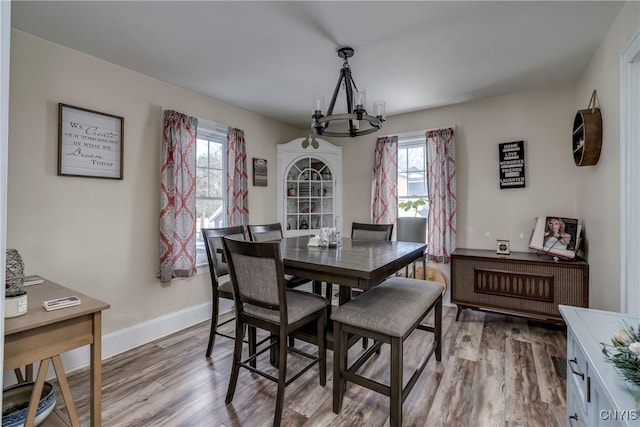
271,57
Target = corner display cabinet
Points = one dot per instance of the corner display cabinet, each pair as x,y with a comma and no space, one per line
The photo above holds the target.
587,134
309,186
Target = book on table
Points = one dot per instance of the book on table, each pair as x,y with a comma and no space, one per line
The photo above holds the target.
32,279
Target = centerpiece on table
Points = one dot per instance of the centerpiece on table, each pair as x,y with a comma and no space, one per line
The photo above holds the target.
624,354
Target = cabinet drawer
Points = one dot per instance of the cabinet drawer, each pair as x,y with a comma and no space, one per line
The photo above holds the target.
575,414
577,374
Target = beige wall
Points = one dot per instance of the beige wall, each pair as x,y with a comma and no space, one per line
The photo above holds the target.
598,186
100,236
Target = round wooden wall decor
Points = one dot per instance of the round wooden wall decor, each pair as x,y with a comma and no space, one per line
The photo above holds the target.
587,134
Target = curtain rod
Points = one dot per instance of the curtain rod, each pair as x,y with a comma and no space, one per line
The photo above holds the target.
415,132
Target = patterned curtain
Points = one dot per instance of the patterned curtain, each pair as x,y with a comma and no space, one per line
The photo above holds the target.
178,197
441,180
384,185
237,181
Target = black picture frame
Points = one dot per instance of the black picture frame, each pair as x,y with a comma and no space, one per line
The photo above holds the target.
90,143
259,172
511,164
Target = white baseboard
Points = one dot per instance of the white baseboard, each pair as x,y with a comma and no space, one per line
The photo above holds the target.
134,336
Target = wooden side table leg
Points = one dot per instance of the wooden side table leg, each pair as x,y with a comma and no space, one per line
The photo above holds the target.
29,371
66,391
36,393
96,371
19,376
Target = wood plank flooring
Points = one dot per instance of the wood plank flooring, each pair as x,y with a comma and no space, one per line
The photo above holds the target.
495,371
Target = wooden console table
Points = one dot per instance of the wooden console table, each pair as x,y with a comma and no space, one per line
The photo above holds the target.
42,336
521,283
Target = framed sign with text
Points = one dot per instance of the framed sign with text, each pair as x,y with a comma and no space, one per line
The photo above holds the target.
90,143
259,172
511,159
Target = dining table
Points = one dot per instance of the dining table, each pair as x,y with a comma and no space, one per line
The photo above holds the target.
359,264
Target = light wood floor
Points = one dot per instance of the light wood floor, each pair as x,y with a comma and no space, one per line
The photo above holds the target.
495,371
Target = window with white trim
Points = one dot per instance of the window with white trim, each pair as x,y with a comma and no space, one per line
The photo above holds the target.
412,173
211,182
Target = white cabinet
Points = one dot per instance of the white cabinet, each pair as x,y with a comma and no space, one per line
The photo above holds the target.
596,394
309,186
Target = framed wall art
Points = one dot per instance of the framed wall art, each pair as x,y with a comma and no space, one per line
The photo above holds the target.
511,163
259,172
90,143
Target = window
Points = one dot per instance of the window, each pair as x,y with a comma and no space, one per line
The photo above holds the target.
211,182
412,173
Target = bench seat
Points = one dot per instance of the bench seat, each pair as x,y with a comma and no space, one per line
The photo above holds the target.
388,313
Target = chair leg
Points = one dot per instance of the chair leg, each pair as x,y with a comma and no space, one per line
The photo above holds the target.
339,366
282,378
214,324
237,354
396,382
438,329
252,344
322,350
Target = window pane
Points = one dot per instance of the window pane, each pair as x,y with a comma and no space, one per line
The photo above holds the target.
202,152
215,156
416,158
202,184
215,183
402,185
402,159
209,213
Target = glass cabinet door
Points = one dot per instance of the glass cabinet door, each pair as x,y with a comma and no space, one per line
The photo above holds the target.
309,196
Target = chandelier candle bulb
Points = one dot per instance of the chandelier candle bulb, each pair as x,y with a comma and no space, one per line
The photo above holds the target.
378,108
318,104
361,100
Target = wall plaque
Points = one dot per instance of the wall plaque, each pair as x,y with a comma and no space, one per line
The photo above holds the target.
511,159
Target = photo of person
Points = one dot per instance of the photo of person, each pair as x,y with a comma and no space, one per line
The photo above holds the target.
559,234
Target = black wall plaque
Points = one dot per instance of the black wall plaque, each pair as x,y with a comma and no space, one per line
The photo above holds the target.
511,157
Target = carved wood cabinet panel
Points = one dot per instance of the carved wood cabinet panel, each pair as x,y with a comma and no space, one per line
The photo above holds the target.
521,283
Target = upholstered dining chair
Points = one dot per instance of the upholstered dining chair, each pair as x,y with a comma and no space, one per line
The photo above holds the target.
366,231
413,229
363,231
273,233
218,268
262,300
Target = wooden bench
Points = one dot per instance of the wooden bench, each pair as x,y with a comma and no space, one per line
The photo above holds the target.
388,313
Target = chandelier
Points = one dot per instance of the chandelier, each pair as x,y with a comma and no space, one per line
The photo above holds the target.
356,112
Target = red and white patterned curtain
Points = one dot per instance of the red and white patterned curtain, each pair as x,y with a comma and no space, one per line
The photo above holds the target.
237,181
441,180
178,196
384,185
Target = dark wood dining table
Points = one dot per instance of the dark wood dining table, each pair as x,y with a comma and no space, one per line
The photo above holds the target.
355,264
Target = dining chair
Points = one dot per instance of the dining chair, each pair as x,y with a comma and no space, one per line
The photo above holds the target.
273,233
364,231
413,229
369,232
217,267
262,300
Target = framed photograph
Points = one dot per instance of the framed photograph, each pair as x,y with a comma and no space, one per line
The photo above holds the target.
259,172
90,144
502,247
